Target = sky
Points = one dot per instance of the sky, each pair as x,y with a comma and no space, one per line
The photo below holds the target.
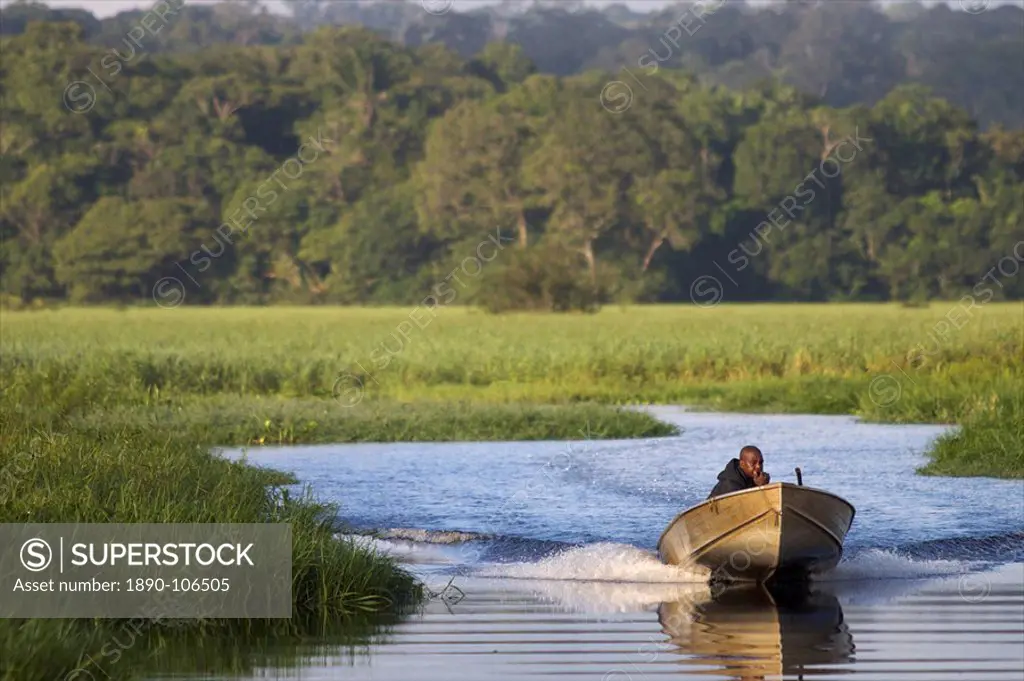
105,8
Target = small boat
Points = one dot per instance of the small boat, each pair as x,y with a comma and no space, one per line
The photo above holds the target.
779,531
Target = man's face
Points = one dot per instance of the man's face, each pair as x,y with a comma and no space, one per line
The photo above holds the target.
752,465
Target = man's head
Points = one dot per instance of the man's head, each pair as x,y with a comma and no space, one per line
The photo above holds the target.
751,461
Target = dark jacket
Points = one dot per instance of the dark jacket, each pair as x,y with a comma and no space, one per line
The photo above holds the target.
731,479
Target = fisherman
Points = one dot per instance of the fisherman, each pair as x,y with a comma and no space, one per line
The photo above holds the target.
742,473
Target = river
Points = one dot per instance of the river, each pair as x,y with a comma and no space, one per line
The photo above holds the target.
540,559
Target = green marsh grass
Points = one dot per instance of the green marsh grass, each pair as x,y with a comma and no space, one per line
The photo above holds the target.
263,420
776,357
990,443
52,471
647,351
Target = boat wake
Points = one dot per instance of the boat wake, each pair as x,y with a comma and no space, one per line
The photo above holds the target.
604,598
999,548
603,562
878,564
456,547
405,551
522,558
431,536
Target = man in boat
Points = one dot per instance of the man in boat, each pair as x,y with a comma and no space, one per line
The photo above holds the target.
743,473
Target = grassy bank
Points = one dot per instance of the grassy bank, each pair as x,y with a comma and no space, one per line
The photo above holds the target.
54,471
251,375
990,443
644,352
260,420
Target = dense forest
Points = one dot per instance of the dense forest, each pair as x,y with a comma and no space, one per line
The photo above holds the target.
844,52
808,152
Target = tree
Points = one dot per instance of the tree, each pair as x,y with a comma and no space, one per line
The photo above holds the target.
923,143
503,64
675,206
345,167
359,263
35,213
121,249
470,178
582,169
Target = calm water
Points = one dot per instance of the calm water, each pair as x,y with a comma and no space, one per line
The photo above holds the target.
541,557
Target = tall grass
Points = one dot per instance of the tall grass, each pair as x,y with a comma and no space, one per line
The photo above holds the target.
51,471
248,420
810,358
990,443
303,351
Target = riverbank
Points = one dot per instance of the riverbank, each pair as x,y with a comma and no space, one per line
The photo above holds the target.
308,375
139,476
269,420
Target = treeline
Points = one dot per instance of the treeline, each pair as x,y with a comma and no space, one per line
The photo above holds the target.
845,53
351,169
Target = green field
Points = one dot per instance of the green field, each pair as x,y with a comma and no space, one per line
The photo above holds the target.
131,400
301,351
240,375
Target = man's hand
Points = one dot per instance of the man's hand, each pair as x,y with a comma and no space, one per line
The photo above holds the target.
762,479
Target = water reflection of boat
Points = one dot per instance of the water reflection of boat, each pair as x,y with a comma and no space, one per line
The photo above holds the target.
751,632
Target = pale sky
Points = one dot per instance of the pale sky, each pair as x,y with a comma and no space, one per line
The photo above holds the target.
105,8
